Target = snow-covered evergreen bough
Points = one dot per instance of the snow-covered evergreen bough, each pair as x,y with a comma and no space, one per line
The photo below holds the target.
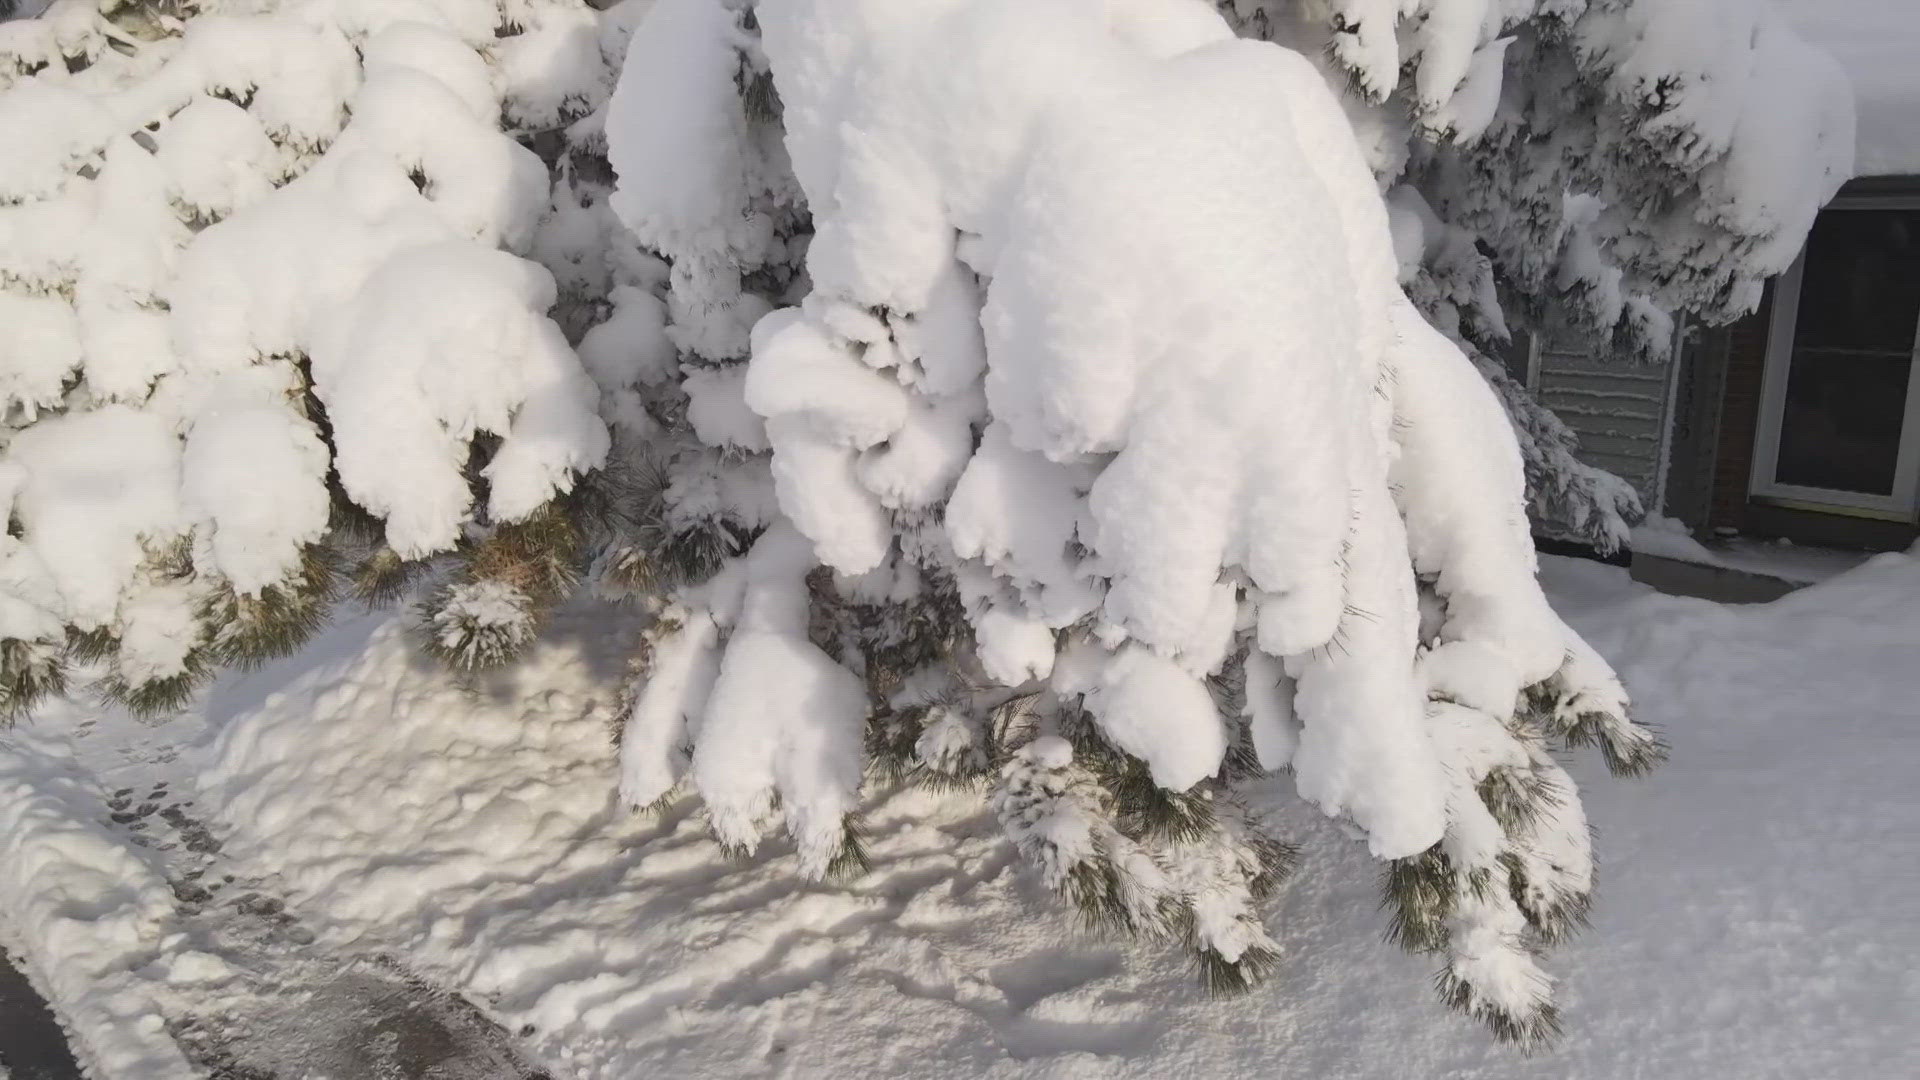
1036,397
262,313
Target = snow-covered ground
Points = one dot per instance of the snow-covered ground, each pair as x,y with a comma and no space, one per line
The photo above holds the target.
1756,915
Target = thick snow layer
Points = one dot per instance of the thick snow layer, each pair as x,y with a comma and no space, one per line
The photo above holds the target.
1016,511
783,723
40,348
1149,707
1755,914
689,187
683,664
631,349
185,224
409,379
419,339
552,70
1081,346
1725,90
1876,42
243,431
683,53
86,908
1466,519
91,487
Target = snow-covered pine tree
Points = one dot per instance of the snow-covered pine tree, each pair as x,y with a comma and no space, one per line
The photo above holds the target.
1123,439
270,328
1031,396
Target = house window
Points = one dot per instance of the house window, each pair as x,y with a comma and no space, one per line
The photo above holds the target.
1840,411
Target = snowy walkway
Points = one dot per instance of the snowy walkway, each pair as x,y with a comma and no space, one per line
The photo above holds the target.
1756,915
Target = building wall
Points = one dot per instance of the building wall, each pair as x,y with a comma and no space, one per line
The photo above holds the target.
1714,418
1744,371
1694,416
1733,359
1617,409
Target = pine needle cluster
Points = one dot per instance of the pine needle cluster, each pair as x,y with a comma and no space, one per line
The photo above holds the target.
502,592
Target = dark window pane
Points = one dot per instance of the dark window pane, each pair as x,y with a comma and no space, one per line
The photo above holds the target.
1517,355
1841,428
1861,285
1852,353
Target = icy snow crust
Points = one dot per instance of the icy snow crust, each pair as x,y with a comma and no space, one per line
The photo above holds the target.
171,293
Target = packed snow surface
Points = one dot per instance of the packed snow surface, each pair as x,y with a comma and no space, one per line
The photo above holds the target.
1754,919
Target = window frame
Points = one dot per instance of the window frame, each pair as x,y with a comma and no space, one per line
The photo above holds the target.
1904,503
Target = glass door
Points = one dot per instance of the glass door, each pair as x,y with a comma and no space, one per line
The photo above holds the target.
1840,403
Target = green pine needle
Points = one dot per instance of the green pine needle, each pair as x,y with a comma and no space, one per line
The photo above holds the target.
852,860
384,577
1419,896
30,672
251,630
1531,1032
1221,977
158,697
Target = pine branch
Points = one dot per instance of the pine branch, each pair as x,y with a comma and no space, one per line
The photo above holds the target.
250,630
30,672
1531,1031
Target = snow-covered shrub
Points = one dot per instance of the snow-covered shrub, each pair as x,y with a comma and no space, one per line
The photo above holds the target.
268,314
1072,404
